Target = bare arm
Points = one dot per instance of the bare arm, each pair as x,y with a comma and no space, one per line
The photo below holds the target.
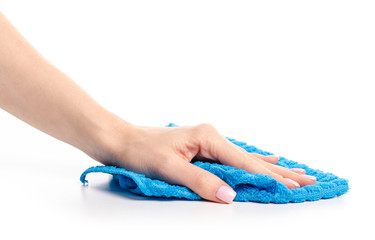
36,92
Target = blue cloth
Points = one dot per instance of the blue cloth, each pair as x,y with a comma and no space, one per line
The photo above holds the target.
249,186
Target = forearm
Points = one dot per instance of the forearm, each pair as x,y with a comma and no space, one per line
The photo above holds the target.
36,92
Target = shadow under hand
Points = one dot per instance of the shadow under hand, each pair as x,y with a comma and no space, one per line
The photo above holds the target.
113,187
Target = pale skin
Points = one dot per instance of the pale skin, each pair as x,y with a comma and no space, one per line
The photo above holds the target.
35,91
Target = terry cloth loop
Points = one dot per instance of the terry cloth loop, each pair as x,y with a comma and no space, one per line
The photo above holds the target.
249,186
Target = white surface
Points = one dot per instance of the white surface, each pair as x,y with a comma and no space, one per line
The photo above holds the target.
290,77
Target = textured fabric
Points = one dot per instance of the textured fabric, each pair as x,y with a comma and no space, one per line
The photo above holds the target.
249,186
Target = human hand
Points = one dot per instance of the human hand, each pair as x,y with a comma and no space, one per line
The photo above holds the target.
165,153
60,108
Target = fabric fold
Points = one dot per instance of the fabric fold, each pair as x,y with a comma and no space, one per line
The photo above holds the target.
249,187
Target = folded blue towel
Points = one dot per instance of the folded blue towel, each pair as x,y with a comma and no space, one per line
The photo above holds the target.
249,186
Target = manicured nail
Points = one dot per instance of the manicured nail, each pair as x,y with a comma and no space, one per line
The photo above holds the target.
309,177
298,170
225,194
296,184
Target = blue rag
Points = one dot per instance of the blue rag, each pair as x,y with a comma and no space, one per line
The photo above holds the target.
249,187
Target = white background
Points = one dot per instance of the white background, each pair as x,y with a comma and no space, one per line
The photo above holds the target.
291,77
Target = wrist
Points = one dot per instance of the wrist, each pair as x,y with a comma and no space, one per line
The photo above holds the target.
106,136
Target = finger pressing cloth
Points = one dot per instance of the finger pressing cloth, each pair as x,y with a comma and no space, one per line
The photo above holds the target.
248,186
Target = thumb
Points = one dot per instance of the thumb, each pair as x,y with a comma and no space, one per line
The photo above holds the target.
202,182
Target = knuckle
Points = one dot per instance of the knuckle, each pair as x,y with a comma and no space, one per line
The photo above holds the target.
207,127
202,181
204,129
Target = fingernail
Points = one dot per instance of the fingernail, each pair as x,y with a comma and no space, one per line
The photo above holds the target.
298,170
296,184
309,177
225,194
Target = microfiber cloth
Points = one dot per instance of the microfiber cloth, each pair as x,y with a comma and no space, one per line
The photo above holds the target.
249,187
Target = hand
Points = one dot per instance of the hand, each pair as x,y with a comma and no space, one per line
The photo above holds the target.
60,108
165,153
